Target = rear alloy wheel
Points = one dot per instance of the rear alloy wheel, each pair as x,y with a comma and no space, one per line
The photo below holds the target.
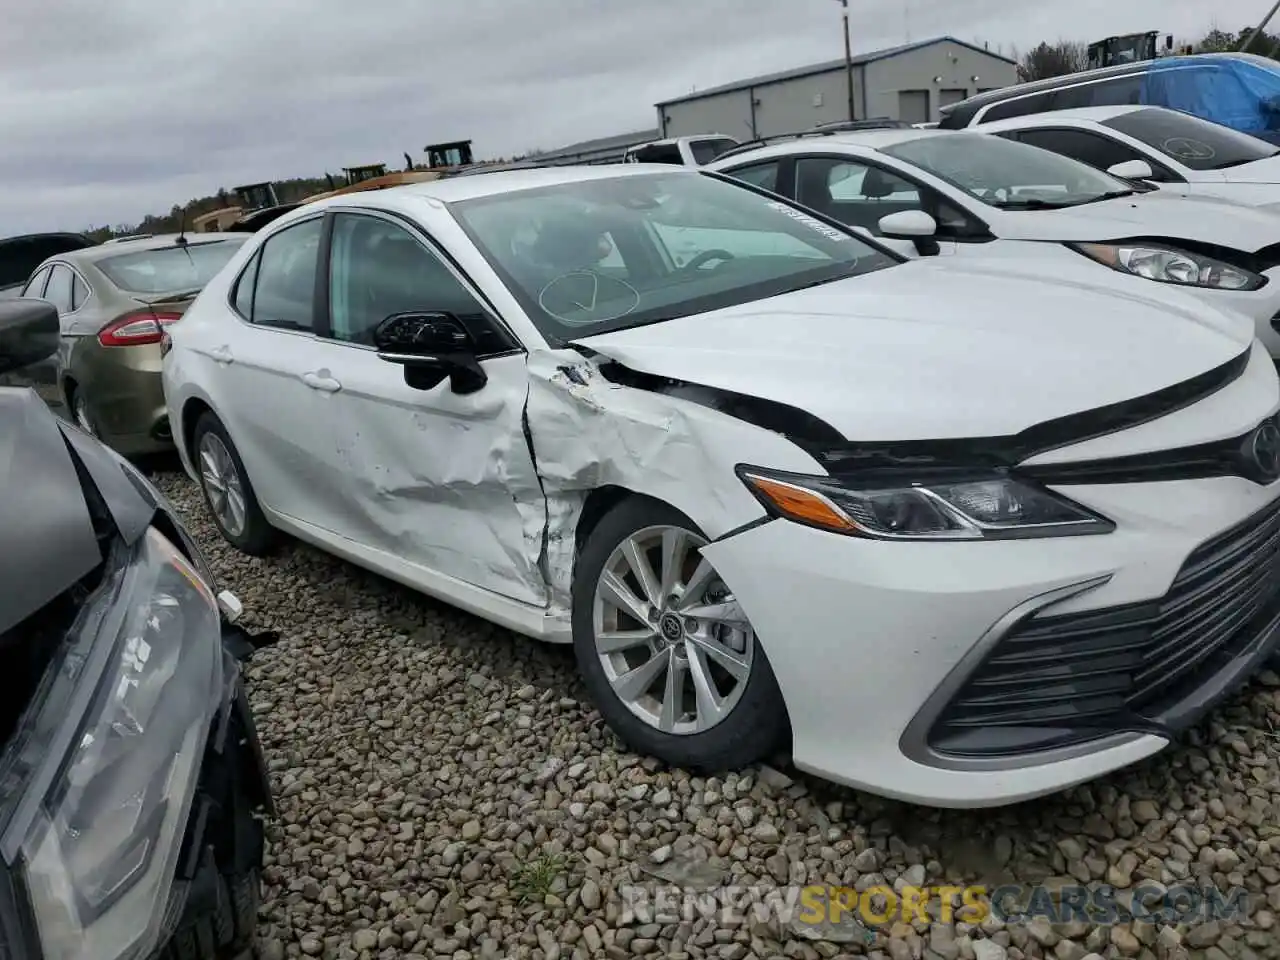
227,491
668,654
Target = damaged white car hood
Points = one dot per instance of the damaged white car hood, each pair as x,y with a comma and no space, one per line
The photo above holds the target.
932,351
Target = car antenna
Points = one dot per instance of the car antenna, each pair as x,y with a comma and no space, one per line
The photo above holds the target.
182,229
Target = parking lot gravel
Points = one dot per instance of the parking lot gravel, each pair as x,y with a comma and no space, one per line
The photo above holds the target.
445,791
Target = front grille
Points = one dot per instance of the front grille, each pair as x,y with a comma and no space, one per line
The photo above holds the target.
1057,680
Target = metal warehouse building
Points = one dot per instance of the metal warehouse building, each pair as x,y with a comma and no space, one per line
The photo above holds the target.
909,83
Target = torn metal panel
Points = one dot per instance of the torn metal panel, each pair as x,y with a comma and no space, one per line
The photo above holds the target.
438,479
589,433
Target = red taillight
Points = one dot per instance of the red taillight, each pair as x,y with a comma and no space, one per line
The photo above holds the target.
136,329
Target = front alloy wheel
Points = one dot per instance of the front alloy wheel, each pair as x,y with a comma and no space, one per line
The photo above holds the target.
673,642
665,650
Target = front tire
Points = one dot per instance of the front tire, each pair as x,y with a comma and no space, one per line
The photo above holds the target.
227,492
665,650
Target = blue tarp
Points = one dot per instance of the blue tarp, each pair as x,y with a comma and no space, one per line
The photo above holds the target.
1235,91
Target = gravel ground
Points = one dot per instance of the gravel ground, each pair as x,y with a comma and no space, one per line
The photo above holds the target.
445,791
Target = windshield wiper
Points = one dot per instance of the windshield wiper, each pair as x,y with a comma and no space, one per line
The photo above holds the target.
1038,203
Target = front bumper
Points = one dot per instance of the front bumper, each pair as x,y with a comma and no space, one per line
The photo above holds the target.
878,645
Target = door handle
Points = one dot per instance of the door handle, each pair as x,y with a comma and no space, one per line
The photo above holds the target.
324,384
222,354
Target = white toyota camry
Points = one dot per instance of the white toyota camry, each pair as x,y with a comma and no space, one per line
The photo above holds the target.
943,193
946,534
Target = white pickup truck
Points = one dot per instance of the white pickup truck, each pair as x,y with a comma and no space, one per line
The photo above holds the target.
681,151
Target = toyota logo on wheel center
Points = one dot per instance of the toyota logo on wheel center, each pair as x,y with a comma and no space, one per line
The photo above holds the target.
671,627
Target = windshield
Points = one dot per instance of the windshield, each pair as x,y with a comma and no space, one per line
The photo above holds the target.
1006,174
1194,143
604,254
173,269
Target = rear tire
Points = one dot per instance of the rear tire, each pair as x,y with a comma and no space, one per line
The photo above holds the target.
748,722
227,491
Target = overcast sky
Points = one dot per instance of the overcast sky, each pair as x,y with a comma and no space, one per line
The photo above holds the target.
113,110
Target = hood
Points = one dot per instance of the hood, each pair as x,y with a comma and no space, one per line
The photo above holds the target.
1160,213
43,509
936,350
1257,171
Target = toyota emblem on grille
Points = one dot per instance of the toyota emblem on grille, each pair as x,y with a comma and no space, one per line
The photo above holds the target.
1262,450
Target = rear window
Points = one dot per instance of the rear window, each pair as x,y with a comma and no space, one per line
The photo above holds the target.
704,151
1195,143
658,153
169,269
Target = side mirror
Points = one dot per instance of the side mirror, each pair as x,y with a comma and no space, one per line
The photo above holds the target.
430,347
909,224
914,225
29,332
1132,170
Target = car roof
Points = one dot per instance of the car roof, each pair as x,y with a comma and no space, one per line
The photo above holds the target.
456,189
836,142
958,115
1088,114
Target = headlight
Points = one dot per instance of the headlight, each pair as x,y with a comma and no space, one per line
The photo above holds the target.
1168,265
114,750
987,508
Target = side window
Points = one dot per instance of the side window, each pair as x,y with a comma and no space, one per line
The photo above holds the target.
284,294
852,192
35,286
243,297
58,292
79,291
860,195
1036,103
1091,148
378,268
763,175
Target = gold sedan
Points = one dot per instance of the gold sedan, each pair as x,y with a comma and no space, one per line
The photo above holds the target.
113,302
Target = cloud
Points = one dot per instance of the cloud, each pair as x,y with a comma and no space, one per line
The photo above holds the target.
112,111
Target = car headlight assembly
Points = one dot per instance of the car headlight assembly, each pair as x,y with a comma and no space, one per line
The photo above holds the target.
109,757
1169,265
992,507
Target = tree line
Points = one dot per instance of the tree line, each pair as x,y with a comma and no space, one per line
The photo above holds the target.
1071,56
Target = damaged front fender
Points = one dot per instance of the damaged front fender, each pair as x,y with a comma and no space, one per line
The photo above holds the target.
588,432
